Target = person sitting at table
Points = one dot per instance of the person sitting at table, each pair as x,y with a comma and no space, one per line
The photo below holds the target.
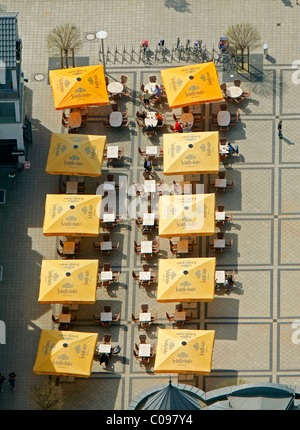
146,98
142,115
233,150
178,127
159,118
157,91
147,164
104,358
186,128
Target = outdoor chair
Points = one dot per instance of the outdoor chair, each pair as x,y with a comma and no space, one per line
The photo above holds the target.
170,318
123,79
237,82
106,339
143,338
223,106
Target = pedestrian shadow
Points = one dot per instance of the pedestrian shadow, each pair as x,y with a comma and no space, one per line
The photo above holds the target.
287,141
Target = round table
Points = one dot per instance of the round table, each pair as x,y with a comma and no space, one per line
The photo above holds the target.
187,117
223,118
234,92
116,119
150,87
115,88
74,120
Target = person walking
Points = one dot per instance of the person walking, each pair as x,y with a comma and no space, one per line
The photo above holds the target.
12,380
280,129
2,379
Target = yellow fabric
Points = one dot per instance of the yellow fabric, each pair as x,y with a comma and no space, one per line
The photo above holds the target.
186,280
72,214
71,154
68,281
187,215
191,84
78,86
186,153
73,359
194,357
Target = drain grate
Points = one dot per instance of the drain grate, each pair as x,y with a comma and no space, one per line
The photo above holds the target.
2,196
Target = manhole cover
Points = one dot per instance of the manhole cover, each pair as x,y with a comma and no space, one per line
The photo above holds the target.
39,77
90,36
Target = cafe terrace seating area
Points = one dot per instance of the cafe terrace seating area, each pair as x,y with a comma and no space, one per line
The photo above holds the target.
128,245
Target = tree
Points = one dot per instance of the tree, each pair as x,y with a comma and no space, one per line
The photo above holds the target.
242,37
64,39
46,397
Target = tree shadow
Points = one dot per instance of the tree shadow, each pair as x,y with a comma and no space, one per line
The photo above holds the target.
178,5
287,3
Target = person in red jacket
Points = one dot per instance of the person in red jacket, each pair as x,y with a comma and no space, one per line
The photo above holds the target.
178,127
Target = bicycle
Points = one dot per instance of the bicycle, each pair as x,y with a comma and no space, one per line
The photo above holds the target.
188,49
224,59
179,49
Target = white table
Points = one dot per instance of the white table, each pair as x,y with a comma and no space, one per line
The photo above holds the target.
146,247
116,119
223,118
151,150
106,276
220,276
145,316
224,149
144,276
109,186
150,186
220,216
115,88
112,152
144,350
151,119
234,92
104,348
109,217
148,219
220,183
106,246
150,87
106,316
219,243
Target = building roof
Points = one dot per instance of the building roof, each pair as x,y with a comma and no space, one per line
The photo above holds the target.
8,38
172,398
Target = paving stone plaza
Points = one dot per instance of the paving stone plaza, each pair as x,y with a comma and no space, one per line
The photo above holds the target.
253,322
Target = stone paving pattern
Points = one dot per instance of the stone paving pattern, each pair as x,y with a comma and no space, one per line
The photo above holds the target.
253,323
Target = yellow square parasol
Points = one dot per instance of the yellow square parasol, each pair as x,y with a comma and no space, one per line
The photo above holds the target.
184,351
187,215
186,280
78,86
191,84
67,353
186,153
71,154
68,281
72,214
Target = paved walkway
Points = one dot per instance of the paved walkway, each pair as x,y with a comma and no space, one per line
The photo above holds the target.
253,322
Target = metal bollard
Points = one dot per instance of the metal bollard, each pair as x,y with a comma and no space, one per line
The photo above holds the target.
266,47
